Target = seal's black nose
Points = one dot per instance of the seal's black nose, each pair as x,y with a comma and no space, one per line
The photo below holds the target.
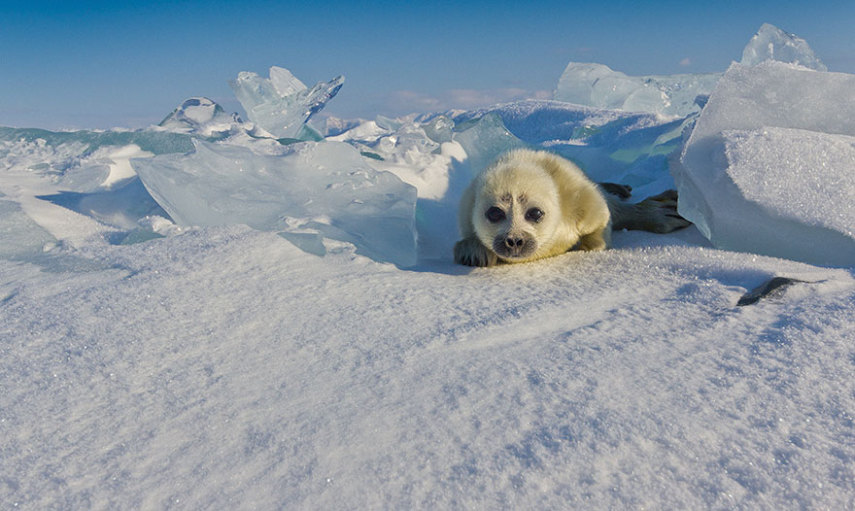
512,242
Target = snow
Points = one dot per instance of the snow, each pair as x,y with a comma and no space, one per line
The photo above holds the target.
158,352
227,367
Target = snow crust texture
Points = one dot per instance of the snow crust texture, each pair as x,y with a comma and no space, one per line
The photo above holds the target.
226,367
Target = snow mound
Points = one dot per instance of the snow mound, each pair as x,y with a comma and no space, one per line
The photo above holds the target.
586,381
768,166
312,189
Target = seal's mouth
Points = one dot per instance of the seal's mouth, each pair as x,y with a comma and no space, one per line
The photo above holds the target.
514,246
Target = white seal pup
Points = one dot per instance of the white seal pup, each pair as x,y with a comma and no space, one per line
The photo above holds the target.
533,204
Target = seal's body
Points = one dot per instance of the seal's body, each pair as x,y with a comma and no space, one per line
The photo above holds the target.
533,204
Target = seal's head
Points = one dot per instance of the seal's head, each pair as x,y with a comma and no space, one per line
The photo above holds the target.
517,211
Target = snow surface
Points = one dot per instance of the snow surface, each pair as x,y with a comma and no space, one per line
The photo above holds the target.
153,360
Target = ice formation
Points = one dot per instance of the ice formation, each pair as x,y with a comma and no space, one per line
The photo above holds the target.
484,139
772,43
63,150
312,190
610,145
768,166
23,239
200,115
599,86
418,153
282,104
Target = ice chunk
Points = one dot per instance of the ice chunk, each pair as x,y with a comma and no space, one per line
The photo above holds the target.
405,148
282,104
23,239
599,86
749,186
772,43
201,116
782,95
439,129
64,149
323,188
484,139
83,161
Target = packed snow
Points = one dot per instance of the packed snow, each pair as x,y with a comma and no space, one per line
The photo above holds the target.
264,314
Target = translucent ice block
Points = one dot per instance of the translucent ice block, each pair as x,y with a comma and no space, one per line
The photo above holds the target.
282,104
484,140
599,86
772,43
768,166
323,188
200,116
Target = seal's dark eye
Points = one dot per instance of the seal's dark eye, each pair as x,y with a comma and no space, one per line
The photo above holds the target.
495,214
534,215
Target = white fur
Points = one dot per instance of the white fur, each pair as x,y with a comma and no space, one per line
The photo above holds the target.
575,213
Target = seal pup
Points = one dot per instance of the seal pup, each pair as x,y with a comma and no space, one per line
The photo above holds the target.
530,204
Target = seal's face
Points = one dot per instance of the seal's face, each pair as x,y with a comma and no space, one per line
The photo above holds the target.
516,213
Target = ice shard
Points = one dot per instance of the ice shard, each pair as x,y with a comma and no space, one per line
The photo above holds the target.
282,104
772,43
599,86
314,189
23,239
768,166
202,116
484,140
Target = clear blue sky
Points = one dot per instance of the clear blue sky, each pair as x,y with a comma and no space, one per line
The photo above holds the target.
93,64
